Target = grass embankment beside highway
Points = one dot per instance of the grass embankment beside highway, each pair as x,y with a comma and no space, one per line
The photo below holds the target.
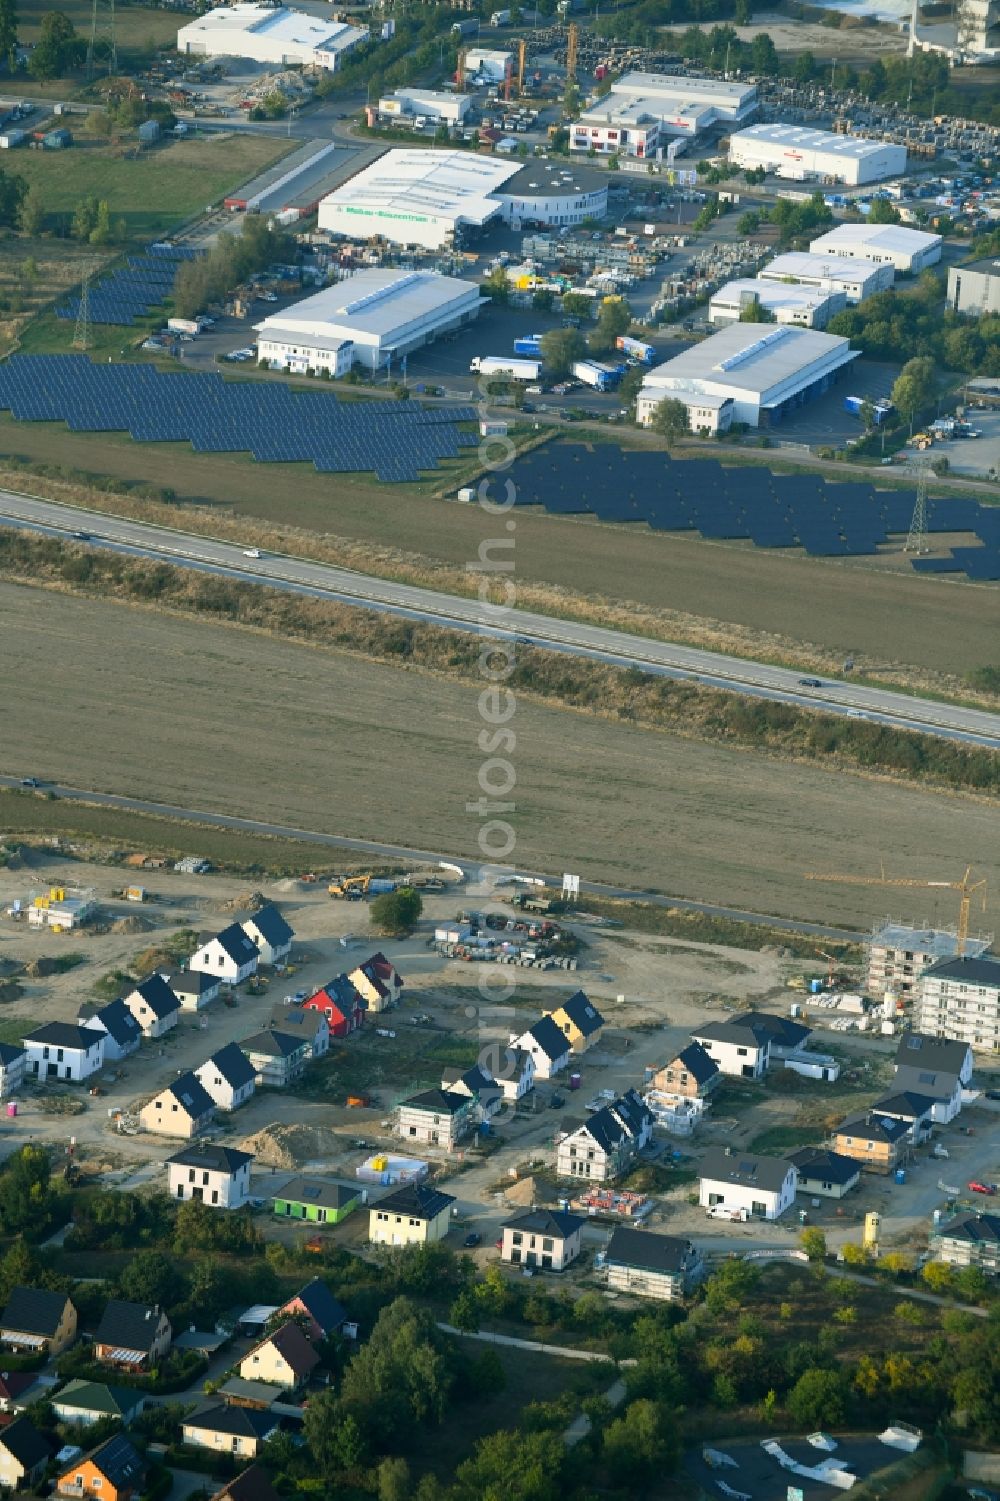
904,632
620,694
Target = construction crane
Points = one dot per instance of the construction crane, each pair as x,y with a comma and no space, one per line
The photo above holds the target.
522,54
966,886
572,46
460,67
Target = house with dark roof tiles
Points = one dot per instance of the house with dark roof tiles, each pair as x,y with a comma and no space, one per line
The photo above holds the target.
114,1471
542,1238
183,1109
666,1267
579,1021
228,1077
271,933
154,1006
37,1321
132,1336
231,956
122,1033
548,1045
341,1003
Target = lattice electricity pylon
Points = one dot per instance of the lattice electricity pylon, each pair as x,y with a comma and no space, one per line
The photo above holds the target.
103,44
81,333
916,540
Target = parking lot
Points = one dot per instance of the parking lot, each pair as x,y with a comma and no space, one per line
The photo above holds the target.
825,420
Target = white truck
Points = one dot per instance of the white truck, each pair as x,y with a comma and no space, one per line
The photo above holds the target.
500,18
506,365
185,325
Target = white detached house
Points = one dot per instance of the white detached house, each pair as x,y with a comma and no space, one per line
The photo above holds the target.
154,1006
228,1077
762,1187
60,1051
231,955
219,1176
270,932
548,1046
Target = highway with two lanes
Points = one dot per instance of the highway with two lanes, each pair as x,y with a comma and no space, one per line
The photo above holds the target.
620,648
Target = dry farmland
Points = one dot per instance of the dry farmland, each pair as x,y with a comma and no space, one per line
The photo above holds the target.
122,699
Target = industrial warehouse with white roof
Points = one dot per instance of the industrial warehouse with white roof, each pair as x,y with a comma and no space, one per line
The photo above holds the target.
645,109
906,250
857,279
269,34
371,318
808,307
799,153
746,375
440,198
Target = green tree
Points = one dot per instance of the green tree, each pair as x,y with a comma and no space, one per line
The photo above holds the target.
914,387
497,285
642,1444
577,305
101,232
748,224
804,68
465,1311
561,348
84,218
513,1467
883,211
20,1267
396,912
405,1360
670,419
8,32
813,1242
32,215
817,1400
971,1284
393,1480
58,48
13,191
613,320
764,56
152,1277
27,1199
937,1275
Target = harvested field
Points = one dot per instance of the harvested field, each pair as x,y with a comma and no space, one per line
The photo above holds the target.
219,718
887,620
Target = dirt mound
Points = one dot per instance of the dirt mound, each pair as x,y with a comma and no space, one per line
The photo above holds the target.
131,924
247,901
292,1146
524,1193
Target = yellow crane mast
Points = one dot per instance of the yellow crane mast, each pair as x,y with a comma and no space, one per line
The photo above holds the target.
572,45
966,887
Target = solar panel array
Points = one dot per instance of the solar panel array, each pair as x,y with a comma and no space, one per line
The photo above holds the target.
133,290
826,518
270,420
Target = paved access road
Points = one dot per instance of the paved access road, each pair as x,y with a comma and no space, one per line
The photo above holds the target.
619,648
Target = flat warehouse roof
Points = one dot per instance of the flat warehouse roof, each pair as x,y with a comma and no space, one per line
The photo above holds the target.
702,90
442,184
277,25
770,294
373,302
879,236
803,263
541,180
743,357
801,138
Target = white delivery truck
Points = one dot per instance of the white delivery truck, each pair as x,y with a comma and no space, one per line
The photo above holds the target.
506,365
184,325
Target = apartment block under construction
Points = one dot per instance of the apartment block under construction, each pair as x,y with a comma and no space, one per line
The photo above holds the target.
898,954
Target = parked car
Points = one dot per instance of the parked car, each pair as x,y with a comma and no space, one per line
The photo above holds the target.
472,1239
982,1188
29,782
252,552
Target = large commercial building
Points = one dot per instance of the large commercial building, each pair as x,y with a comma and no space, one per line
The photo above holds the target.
643,111
430,104
796,152
370,319
857,279
764,374
805,307
960,999
441,198
975,288
269,34
906,250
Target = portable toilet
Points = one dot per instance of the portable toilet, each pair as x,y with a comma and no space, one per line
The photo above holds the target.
900,1175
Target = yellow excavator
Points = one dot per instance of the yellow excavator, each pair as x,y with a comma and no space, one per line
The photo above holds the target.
350,888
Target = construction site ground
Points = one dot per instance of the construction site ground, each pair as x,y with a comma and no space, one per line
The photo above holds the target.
651,990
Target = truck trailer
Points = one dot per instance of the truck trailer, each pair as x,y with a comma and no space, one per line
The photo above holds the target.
502,364
465,28
883,409
636,348
530,345
500,18
601,377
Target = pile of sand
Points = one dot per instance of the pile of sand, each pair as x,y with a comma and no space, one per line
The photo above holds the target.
292,1146
524,1193
131,924
247,901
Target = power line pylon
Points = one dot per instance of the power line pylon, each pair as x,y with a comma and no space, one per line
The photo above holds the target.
81,333
916,541
103,45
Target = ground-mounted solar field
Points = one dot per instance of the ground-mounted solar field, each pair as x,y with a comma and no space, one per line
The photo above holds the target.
828,519
273,422
133,290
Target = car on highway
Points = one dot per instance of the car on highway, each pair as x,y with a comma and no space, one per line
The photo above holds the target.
252,552
30,782
471,1240
810,683
81,536
982,1188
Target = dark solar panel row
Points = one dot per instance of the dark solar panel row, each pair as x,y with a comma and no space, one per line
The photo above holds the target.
396,440
133,290
825,518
